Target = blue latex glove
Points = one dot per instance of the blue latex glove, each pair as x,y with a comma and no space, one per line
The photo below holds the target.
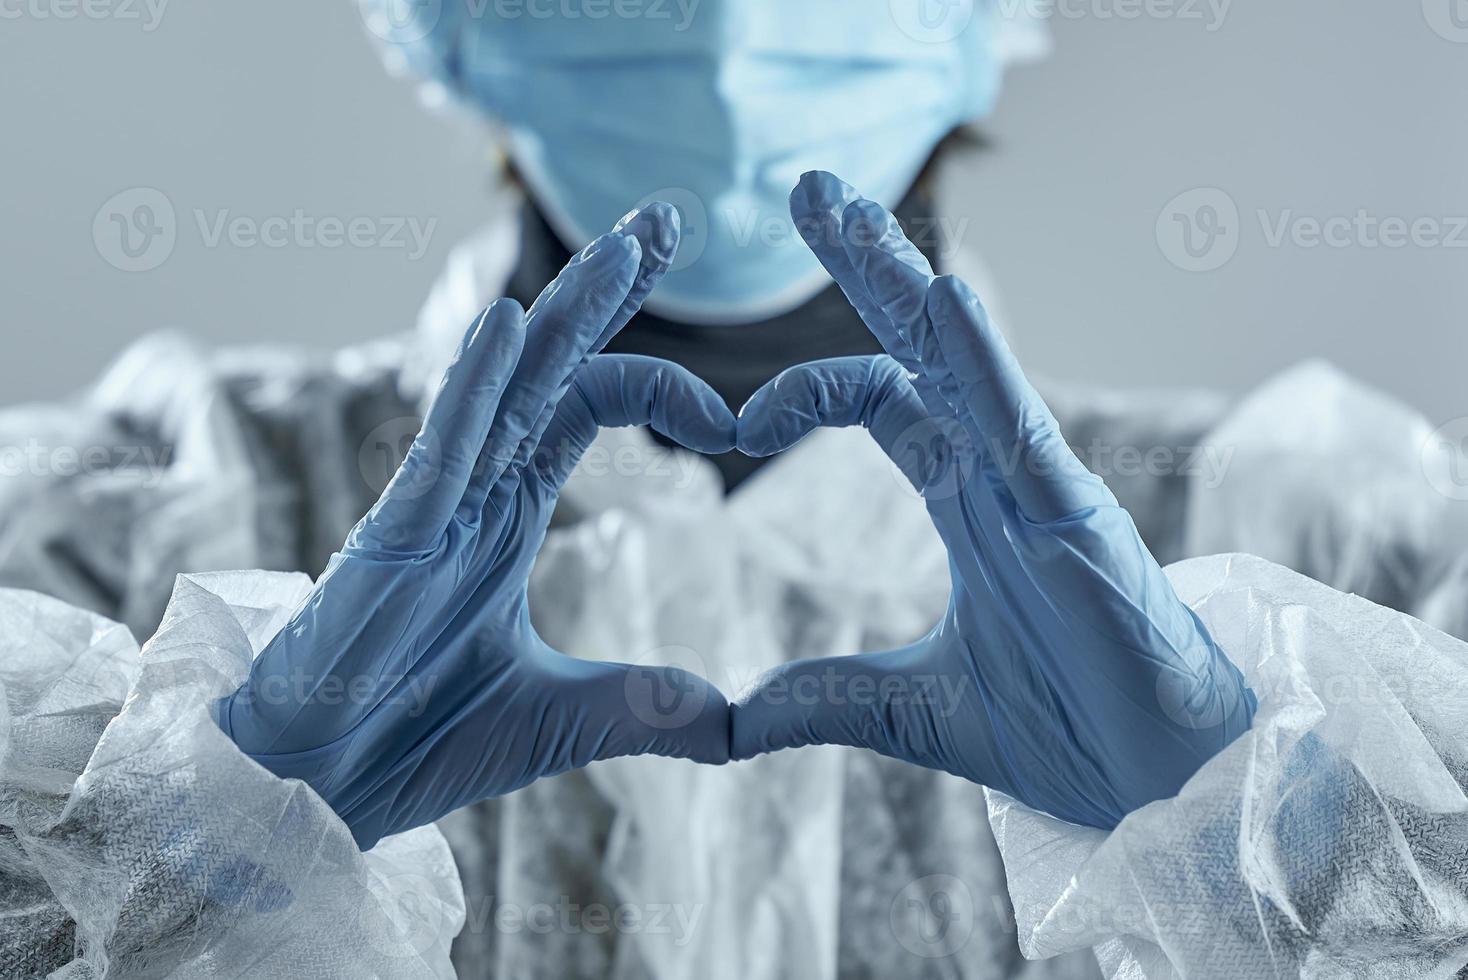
411,682
1066,672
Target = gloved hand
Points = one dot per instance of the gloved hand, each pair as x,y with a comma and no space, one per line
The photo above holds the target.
1066,672
411,682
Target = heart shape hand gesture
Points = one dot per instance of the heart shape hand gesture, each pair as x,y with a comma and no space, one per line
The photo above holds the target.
411,681
1066,672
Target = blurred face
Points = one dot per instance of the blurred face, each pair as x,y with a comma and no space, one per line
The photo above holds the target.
716,106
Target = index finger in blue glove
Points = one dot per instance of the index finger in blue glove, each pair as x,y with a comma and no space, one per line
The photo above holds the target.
561,326
818,206
966,359
901,289
617,390
871,391
655,230
420,499
1046,478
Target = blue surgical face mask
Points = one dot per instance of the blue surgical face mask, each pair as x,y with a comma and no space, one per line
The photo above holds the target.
717,106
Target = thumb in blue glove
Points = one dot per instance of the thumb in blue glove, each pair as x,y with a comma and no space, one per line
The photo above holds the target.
411,682
1065,672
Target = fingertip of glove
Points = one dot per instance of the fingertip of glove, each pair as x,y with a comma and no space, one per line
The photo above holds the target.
746,737
751,449
657,229
504,306
728,437
816,204
890,265
716,438
691,411
863,223
820,190
753,435
709,733
951,295
752,719
612,248
504,312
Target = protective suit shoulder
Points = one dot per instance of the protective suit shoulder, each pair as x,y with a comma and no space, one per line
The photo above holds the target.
1324,474
183,460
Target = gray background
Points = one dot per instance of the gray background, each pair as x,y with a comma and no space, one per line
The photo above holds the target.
1314,107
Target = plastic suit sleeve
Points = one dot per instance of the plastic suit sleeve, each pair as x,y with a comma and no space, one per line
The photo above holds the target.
1328,841
136,840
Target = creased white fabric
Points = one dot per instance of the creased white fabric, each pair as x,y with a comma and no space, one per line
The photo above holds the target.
1330,841
816,864
1325,475
137,841
798,864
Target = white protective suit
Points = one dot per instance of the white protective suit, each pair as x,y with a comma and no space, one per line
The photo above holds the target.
137,841
820,863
